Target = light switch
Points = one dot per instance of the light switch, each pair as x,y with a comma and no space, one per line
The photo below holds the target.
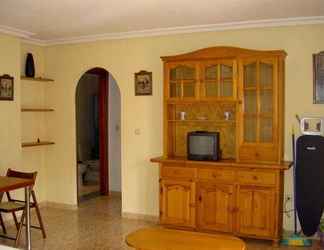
137,131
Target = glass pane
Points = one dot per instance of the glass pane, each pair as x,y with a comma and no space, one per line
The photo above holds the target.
266,101
226,88
250,75
189,89
211,89
250,102
226,71
211,72
182,73
266,75
175,89
250,127
174,74
265,129
188,73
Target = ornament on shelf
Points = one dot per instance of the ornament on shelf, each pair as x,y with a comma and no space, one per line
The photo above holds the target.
30,66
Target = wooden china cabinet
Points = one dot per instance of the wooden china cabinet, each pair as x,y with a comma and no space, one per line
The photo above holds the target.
239,93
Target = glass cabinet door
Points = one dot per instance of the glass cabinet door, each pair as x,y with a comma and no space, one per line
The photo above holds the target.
258,101
218,81
182,82
250,102
266,101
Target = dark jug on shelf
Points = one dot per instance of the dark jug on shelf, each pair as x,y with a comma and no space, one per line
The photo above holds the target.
30,66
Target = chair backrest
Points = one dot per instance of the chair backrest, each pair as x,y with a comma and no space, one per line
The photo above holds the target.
24,175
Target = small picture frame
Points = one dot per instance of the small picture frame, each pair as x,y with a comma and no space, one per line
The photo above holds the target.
318,73
143,83
6,88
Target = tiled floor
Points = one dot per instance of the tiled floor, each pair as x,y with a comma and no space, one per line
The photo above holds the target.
97,224
88,189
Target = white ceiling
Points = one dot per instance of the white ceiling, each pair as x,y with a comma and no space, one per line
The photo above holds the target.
51,20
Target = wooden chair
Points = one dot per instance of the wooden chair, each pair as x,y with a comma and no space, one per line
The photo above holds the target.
12,206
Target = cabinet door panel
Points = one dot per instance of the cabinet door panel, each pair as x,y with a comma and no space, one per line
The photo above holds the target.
218,80
250,126
215,208
250,75
256,211
266,74
258,114
175,90
181,81
177,203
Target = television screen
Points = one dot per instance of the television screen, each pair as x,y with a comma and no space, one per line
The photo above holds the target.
202,145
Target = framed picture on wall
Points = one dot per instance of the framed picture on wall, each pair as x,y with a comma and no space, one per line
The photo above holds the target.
6,88
143,83
318,72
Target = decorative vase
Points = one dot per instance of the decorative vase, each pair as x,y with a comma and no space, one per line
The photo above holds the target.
30,66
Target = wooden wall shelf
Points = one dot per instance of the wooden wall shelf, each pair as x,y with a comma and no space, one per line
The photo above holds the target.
36,110
37,79
35,144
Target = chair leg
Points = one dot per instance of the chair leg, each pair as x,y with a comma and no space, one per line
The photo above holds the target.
15,219
3,225
21,223
39,217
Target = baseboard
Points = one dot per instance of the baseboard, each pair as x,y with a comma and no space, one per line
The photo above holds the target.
58,205
145,217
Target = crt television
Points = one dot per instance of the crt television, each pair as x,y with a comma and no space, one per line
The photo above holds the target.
203,146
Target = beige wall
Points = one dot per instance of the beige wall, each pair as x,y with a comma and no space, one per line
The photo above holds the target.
15,126
10,149
123,58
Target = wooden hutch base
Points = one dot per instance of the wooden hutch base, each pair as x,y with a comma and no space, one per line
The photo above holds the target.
226,196
239,93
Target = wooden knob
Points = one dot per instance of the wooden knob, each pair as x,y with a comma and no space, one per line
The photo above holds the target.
255,177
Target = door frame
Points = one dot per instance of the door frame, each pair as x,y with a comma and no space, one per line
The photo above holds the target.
103,95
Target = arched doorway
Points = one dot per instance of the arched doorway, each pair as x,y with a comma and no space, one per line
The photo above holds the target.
94,132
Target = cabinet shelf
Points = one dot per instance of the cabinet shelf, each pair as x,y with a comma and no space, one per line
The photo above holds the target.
255,88
36,79
212,121
35,144
208,80
186,101
36,110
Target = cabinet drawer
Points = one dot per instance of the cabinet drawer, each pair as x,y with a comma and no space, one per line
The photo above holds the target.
258,154
178,172
217,174
257,177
